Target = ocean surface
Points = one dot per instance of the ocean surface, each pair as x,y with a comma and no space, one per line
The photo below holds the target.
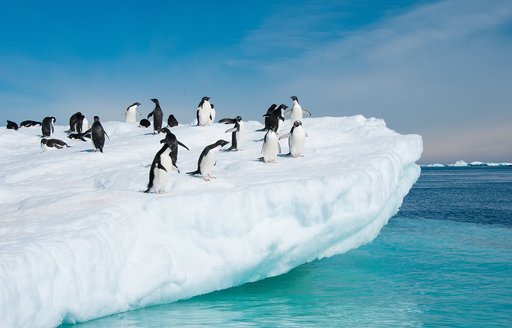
445,260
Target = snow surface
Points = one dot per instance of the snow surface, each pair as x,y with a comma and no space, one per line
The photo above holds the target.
80,240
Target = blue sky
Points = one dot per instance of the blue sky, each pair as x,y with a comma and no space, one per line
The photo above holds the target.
441,69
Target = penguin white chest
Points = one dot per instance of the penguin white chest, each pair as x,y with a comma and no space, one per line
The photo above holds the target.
85,125
270,147
131,115
297,141
205,112
208,162
296,112
162,176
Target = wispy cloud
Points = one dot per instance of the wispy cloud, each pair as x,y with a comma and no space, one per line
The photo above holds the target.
439,66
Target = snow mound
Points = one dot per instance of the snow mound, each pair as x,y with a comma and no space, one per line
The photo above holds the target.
80,240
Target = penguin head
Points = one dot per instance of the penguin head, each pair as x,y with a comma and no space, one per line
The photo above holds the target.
166,130
238,118
297,123
294,98
155,101
53,119
206,98
43,141
96,118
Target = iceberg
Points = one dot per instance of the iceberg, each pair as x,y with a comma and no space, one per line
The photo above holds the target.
80,240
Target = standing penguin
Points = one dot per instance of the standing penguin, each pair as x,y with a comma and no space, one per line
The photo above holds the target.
207,160
296,139
12,125
98,134
237,131
172,121
297,111
131,113
80,126
160,169
73,120
273,115
172,142
204,112
267,117
271,146
158,116
47,126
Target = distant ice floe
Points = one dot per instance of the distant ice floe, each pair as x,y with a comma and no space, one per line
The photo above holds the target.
462,163
80,240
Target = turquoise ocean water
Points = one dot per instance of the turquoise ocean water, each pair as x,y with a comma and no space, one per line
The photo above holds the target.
445,260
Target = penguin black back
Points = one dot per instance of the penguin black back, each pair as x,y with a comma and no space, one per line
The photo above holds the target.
145,123
158,116
98,134
12,125
47,126
73,120
172,121
29,123
171,141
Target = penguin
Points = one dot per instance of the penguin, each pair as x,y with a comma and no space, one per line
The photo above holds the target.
29,123
161,167
172,121
131,113
12,125
73,120
204,112
47,126
144,123
296,139
98,134
271,146
297,111
273,115
237,131
267,117
53,143
172,142
158,116
80,136
207,160
79,126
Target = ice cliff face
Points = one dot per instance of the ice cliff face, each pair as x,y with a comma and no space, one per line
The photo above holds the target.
79,239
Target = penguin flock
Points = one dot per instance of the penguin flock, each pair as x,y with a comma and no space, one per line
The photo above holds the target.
165,160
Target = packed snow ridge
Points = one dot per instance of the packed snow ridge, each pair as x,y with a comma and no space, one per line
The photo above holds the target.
79,239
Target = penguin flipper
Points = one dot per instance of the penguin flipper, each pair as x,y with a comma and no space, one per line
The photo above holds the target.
307,111
231,130
182,145
150,114
160,166
284,136
279,147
